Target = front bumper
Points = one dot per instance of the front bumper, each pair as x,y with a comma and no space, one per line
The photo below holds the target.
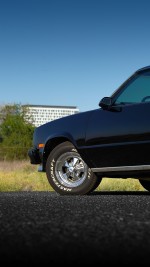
34,156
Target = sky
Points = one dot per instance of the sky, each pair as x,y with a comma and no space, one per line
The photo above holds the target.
70,52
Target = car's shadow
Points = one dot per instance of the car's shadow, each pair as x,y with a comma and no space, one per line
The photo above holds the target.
136,193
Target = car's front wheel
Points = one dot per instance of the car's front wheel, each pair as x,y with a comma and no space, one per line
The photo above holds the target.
145,184
67,173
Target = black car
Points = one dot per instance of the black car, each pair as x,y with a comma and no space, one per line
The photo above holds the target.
77,151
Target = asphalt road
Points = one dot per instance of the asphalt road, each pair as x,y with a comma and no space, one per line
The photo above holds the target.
103,228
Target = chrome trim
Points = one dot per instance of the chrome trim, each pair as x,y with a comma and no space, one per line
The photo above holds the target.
122,168
70,170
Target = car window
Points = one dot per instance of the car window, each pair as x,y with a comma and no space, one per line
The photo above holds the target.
136,91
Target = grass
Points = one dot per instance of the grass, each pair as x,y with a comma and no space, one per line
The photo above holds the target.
129,184
22,176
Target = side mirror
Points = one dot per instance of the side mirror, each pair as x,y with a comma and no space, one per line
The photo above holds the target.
105,103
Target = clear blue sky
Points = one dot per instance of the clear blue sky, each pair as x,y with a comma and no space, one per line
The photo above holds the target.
70,52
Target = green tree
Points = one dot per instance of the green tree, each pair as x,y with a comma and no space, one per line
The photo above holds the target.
16,132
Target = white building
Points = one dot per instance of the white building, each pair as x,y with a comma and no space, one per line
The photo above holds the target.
41,114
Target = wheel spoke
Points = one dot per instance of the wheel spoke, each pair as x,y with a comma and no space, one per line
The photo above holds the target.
80,168
74,176
66,175
74,162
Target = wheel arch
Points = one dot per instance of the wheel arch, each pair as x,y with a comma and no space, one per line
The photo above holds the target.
52,142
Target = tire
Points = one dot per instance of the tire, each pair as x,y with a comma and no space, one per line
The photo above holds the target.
67,173
145,184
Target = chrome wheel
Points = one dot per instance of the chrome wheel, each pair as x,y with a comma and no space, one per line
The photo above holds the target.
70,169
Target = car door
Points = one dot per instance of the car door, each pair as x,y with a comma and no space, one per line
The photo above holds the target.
120,136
